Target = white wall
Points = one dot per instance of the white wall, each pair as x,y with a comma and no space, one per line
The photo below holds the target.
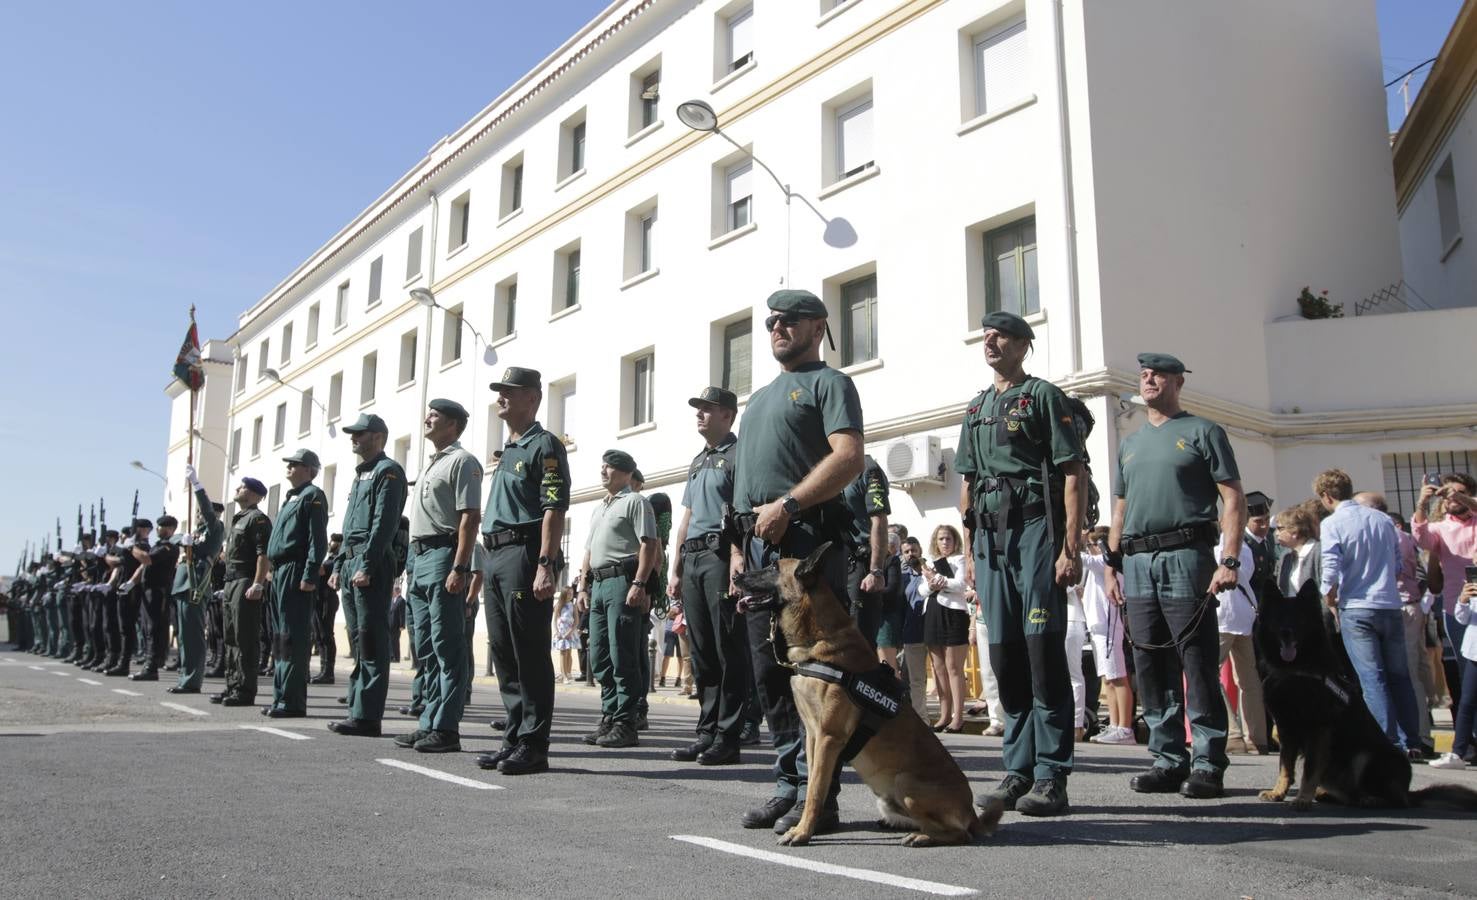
1452,280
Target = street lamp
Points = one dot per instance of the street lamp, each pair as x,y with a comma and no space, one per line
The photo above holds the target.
143,468
426,298
196,433
699,116
274,375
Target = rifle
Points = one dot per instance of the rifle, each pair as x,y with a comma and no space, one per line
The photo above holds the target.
135,506
80,532
59,544
102,519
92,523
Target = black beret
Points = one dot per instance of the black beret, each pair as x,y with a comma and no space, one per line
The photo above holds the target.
449,408
167,522
142,523
1008,323
801,303
619,460
1162,362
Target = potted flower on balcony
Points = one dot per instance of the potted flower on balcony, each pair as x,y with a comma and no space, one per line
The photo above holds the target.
1317,306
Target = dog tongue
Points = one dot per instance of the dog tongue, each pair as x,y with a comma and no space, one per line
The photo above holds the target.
1289,653
742,606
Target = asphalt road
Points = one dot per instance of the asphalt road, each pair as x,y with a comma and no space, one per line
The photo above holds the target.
114,794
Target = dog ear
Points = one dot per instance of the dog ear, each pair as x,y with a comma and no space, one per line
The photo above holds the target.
809,569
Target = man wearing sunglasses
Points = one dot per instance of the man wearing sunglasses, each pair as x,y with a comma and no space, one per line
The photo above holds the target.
296,549
800,446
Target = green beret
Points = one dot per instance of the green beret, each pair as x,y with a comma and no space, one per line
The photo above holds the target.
619,460
800,303
1008,323
1162,362
449,408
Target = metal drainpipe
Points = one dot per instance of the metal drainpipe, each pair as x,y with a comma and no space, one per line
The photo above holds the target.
230,420
1064,135
420,452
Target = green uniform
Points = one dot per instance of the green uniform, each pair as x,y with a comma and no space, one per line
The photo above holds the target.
1168,476
247,541
451,483
192,588
617,527
296,549
785,434
371,518
1011,446
866,498
531,480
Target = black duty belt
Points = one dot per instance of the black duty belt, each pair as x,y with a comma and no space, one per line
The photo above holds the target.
878,694
612,570
1201,533
816,517
236,574
493,540
710,541
434,542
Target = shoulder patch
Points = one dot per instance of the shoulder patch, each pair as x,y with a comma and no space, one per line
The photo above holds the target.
551,465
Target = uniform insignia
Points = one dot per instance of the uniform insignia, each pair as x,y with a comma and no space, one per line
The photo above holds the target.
795,396
1180,444
517,596
720,463
551,495
518,467
551,465
1012,425
1038,616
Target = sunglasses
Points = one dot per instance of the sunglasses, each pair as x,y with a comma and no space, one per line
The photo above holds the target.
789,320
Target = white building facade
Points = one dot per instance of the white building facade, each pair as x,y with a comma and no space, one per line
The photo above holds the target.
1130,176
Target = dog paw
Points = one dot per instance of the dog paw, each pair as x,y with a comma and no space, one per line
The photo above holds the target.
917,839
793,838
1302,804
1273,796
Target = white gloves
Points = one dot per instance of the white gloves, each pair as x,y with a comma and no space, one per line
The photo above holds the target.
188,540
193,478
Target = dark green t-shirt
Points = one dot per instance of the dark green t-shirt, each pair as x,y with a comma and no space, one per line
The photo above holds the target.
1011,434
866,497
1168,475
709,487
786,429
532,476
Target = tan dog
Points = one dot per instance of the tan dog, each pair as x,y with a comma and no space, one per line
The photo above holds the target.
917,783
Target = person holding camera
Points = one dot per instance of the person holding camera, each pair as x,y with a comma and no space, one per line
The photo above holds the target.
1454,534
946,623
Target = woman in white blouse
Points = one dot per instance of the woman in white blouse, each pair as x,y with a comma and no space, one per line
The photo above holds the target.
946,624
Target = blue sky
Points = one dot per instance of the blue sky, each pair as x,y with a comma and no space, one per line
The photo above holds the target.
171,153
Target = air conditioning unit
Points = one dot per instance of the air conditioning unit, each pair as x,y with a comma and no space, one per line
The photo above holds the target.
913,460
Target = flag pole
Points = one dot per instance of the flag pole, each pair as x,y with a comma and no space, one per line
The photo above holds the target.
190,459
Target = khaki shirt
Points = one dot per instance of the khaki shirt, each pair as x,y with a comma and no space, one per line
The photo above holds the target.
451,483
618,526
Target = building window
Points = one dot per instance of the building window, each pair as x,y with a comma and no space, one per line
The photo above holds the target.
330,480
261,359
1404,473
286,344
561,409
512,188
413,255
461,215
256,437
572,146
313,315
640,383
859,320
737,40
279,426
645,92
854,137
567,277
241,367
738,195
368,372
401,453
341,306
376,281
305,413
505,309
335,396
274,500
1010,269
1446,207
1001,62
640,233
738,347
408,342
235,448
451,336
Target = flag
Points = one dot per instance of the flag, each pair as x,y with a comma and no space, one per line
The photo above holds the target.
187,366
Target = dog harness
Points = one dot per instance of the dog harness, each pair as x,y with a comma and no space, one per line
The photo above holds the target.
878,694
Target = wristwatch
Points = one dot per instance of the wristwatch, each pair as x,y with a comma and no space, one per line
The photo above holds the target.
1231,562
790,504
463,570
544,562
879,573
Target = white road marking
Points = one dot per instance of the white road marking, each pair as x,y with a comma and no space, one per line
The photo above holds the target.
91,682
62,674
800,862
183,708
126,692
37,668
440,776
293,735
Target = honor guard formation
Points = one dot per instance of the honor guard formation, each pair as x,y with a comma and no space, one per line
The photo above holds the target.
1157,605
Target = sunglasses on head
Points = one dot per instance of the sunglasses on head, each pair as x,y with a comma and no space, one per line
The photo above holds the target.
789,320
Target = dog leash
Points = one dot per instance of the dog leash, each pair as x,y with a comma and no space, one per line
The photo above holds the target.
1182,637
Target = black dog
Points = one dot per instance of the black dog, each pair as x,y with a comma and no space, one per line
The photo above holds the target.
1321,716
